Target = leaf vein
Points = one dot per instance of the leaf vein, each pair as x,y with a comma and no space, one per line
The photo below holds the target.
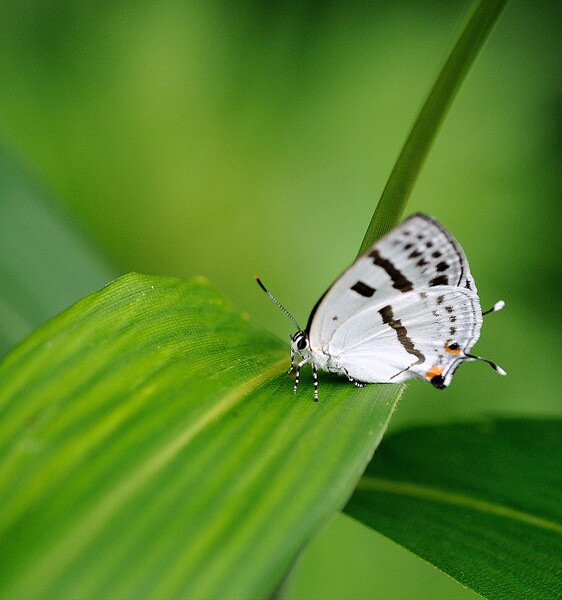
425,492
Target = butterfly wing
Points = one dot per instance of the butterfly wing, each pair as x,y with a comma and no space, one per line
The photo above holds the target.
404,277
424,334
416,254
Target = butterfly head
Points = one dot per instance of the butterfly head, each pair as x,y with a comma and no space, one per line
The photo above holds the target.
300,343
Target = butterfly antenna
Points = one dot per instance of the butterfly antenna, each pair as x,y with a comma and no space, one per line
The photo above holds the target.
494,366
497,306
277,302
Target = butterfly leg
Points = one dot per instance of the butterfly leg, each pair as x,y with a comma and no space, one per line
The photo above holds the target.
298,374
292,362
356,383
315,380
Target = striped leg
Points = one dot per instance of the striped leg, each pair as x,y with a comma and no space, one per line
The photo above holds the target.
292,362
298,374
315,380
356,383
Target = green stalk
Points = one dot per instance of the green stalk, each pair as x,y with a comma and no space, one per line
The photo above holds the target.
412,157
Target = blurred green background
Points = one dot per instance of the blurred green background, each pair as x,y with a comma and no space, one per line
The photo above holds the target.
228,139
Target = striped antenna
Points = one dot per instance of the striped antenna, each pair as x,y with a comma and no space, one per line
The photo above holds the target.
277,302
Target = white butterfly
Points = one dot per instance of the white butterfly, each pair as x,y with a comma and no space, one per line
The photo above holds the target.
407,308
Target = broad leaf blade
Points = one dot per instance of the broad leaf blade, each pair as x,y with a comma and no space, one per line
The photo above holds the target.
480,501
151,447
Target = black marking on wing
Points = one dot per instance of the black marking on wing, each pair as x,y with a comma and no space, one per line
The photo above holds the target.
399,281
363,289
438,381
442,266
454,244
402,333
440,280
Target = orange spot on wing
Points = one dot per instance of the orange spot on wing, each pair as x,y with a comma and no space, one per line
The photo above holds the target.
455,350
434,371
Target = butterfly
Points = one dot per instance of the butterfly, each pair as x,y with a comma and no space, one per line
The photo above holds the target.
407,308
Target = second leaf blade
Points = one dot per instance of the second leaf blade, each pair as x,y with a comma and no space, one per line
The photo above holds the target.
480,501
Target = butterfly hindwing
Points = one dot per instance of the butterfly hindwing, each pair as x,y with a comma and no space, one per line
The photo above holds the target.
422,333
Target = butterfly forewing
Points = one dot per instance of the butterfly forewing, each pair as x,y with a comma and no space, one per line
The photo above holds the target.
417,254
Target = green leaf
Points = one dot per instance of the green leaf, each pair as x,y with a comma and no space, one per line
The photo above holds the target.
393,201
480,501
151,447
45,261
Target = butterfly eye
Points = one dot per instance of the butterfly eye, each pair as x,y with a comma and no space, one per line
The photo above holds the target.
302,343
